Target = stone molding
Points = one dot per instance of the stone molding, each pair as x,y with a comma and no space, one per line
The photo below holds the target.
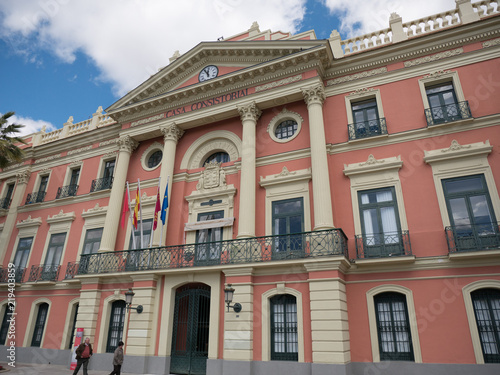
437,56
127,144
171,132
249,112
314,95
23,177
29,222
61,217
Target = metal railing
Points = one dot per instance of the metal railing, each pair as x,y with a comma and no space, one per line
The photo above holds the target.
71,270
66,191
5,203
36,197
18,276
44,273
447,113
473,237
331,242
101,184
382,245
367,129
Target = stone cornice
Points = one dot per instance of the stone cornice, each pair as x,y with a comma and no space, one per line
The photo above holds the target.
61,217
29,222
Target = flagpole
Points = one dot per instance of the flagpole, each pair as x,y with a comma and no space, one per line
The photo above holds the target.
130,214
152,228
161,231
140,211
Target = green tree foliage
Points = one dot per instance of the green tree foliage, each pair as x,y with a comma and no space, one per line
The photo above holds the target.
9,151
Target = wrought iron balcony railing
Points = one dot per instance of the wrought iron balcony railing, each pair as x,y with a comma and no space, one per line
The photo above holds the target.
367,129
44,272
36,197
18,275
71,270
248,250
5,203
101,184
382,245
447,113
66,191
473,237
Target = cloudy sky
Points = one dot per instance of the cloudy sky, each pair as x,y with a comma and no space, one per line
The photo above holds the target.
61,58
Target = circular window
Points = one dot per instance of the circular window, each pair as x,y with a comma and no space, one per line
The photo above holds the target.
155,159
286,129
219,157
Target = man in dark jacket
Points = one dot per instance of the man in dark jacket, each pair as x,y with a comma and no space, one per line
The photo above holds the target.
83,354
118,359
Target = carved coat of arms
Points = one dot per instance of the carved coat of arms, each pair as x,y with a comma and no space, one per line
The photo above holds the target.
212,177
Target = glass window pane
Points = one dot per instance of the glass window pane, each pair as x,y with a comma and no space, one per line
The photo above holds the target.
459,212
464,185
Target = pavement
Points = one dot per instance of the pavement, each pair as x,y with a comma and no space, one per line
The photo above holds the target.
30,369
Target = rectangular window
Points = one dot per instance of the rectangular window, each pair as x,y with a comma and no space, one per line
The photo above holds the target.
117,320
208,247
366,119
284,330
92,241
393,327
486,304
41,318
4,329
75,175
106,181
473,222
380,223
147,225
54,252
43,184
443,103
5,202
288,218
22,255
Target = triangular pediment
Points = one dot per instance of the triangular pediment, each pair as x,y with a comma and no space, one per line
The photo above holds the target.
234,60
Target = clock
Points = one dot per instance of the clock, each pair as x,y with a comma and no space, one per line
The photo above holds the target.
208,72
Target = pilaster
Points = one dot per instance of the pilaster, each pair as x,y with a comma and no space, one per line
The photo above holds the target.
246,225
88,308
126,146
323,217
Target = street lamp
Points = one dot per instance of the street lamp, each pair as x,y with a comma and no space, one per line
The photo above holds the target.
228,297
129,295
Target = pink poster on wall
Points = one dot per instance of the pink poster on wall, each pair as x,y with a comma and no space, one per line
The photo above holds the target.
78,341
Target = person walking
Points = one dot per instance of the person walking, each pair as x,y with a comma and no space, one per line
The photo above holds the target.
117,359
83,354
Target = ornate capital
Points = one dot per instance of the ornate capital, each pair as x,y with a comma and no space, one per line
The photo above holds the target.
249,112
172,132
127,144
23,177
314,95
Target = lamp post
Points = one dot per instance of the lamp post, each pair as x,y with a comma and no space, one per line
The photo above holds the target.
228,297
129,295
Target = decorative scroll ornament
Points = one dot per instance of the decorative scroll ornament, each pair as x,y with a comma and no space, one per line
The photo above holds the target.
455,146
284,172
249,112
127,143
371,161
212,177
23,177
172,132
314,95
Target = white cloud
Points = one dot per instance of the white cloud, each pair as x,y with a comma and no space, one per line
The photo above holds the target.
30,126
129,40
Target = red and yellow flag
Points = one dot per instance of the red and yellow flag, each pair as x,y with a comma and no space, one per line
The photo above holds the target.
157,209
137,208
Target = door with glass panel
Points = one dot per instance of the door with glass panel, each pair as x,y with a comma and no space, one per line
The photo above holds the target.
380,223
486,304
284,329
473,222
288,228
208,241
50,269
116,324
22,255
443,103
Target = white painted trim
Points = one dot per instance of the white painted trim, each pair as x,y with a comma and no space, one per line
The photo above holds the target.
70,316
284,115
105,316
156,146
30,327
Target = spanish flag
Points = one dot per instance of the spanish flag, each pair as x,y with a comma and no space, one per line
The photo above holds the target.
157,208
137,208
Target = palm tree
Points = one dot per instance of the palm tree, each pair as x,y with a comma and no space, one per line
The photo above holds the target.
9,152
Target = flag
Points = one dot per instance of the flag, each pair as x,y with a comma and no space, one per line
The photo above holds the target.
137,208
125,209
164,205
157,209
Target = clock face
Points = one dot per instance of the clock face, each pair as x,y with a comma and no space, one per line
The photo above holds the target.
208,72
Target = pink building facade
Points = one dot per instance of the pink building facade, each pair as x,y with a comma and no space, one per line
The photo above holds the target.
345,189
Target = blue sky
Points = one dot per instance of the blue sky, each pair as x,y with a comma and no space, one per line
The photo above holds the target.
62,58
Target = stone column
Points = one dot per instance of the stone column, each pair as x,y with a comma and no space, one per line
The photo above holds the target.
323,217
246,225
127,145
22,180
171,135
238,327
88,311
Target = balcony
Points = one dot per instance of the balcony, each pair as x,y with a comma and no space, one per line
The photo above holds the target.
241,251
367,129
66,191
463,238
19,275
383,245
44,273
101,184
447,113
5,203
36,197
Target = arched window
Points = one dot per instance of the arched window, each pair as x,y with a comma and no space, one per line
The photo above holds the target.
219,157
5,325
41,318
73,325
486,304
286,129
116,322
284,332
393,327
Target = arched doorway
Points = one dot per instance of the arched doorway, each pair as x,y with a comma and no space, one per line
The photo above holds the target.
190,330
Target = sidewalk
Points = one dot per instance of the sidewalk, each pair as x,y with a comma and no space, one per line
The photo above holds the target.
29,369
